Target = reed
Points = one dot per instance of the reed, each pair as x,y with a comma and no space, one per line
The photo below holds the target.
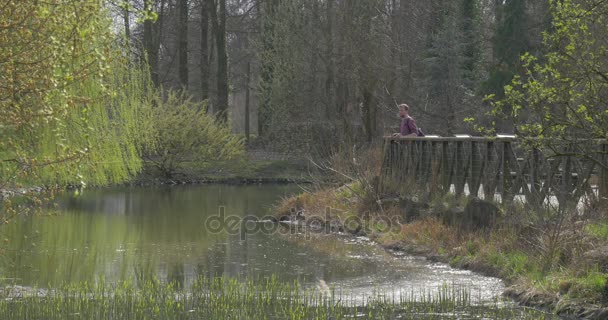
230,298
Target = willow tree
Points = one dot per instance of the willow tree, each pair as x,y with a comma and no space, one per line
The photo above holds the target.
69,114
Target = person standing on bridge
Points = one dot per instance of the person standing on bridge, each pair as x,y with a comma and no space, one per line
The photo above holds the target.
408,124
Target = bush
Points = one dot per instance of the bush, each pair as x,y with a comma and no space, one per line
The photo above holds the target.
183,131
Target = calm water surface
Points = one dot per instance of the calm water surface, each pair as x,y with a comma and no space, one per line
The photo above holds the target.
138,233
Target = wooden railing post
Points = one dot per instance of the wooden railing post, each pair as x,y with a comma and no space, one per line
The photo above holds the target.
445,167
426,163
563,195
506,193
603,185
535,185
435,169
420,167
459,169
476,170
488,183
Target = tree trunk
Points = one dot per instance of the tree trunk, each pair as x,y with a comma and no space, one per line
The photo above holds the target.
219,23
183,43
150,47
264,109
127,26
159,38
329,81
369,114
205,48
247,101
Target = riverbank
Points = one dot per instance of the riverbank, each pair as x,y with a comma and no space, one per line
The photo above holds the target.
558,268
241,172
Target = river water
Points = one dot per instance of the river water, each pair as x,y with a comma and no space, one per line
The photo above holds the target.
134,233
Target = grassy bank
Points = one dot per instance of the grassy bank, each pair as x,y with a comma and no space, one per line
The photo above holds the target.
244,171
552,260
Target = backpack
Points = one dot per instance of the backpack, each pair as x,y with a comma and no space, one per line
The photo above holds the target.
419,133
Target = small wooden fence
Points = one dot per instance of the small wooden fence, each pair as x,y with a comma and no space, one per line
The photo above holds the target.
495,168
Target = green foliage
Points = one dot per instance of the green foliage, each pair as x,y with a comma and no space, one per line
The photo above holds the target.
599,230
591,285
108,132
69,112
511,264
565,96
350,190
183,131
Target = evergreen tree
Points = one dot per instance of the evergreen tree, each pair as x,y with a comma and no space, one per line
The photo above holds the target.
452,65
509,43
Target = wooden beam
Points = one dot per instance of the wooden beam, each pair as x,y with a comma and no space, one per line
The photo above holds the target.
603,185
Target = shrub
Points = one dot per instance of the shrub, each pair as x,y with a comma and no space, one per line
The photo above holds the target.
183,131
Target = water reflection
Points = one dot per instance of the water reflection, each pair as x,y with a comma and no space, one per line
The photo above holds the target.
143,233
135,233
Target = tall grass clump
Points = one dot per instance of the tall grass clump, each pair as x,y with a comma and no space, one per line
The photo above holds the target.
229,298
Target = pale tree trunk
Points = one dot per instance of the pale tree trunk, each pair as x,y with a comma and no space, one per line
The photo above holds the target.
150,46
127,26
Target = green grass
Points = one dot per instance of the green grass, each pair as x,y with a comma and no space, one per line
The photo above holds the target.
248,169
224,298
599,230
237,170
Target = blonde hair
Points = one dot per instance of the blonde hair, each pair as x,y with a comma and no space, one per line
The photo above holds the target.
404,106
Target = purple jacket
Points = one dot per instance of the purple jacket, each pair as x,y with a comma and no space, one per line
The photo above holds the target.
408,126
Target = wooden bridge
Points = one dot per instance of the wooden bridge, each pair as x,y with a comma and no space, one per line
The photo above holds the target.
501,168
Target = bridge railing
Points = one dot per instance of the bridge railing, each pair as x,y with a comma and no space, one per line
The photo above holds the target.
497,168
